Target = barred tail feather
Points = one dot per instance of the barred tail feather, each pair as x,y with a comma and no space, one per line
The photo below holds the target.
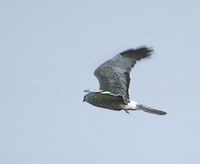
150,110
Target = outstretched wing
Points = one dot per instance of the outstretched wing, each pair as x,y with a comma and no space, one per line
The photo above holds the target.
114,74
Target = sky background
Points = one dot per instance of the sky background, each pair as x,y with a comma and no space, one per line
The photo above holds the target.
49,51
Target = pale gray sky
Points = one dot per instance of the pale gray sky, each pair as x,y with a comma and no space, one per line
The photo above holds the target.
49,51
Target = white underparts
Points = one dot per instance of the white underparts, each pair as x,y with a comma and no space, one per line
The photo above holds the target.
131,105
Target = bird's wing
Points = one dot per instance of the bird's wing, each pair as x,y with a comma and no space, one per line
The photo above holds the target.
114,74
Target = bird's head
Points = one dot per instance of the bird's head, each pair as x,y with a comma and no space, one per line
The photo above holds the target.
87,96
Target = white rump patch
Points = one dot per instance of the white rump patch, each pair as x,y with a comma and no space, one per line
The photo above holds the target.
131,105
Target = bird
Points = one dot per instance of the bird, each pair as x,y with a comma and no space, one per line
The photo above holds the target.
114,79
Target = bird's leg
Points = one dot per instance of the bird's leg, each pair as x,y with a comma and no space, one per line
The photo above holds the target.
126,111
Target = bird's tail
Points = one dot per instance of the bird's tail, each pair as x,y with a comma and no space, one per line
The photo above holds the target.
150,110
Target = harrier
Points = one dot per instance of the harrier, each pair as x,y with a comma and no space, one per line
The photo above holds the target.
114,80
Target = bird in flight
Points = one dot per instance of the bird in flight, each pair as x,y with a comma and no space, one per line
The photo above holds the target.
114,80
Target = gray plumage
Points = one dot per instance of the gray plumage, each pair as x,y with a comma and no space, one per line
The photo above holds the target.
114,80
114,74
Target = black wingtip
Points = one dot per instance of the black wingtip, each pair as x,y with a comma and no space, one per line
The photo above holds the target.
146,51
138,53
